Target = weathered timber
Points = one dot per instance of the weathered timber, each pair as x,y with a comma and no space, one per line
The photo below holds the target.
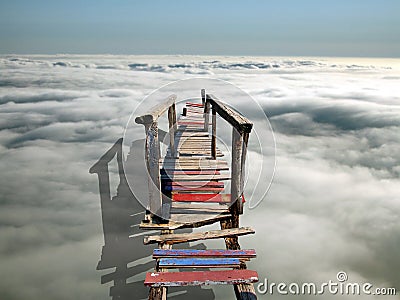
160,253
172,128
195,177
214,134
206,115
212,198
196,236
195,183
203,96
241,123
200,278
173,263
153,114
236,187
152,153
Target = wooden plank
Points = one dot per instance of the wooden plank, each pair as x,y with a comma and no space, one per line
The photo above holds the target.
192,134
180,172
191,160
194,104
195,167
183,189
212,198
174,263
197,206
196,236
195,177
196,183
241,123
197,212
247,253
198,219
154,113
190,123
155,279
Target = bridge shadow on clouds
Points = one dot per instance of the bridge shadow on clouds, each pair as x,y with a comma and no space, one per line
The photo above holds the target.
127,258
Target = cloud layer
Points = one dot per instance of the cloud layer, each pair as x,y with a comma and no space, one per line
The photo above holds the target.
334,204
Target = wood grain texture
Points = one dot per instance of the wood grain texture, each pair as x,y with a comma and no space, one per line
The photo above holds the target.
154,113
200,278
196,236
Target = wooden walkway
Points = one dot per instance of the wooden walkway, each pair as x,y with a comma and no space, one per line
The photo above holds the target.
186,191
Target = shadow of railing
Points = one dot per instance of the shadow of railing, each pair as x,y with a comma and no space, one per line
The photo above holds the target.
121,215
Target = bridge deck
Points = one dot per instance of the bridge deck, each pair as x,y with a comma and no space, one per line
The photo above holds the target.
192,176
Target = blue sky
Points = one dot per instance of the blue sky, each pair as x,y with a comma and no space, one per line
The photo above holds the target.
281,27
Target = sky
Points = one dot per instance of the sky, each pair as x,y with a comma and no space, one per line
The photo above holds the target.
357,28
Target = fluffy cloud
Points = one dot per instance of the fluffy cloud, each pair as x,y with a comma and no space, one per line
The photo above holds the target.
333,206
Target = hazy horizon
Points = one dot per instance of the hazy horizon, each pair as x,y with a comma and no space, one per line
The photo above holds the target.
291,28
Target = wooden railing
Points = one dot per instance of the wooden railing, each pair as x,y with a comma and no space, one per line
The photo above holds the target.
152,148
241,128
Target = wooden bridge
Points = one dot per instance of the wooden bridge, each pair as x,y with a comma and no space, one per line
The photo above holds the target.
186,191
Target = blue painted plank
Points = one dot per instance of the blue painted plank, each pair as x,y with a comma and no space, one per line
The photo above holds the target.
199,263
159,253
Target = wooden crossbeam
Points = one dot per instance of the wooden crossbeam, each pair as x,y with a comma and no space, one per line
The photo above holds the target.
160,253
199,263
156,279
196,236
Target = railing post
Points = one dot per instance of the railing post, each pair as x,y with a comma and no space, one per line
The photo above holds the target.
214,133
152,153
236,175
206,115
203,96
172,129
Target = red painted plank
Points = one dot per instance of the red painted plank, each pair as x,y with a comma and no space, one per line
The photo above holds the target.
247,253
196,183
220,198
190,123
194,104
156,279
198,197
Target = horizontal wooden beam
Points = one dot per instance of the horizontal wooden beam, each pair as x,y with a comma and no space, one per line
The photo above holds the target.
159,253
196,236
174,263
157,279
154,113
241,123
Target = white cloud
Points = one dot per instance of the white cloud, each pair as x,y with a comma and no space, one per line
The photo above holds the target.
333,206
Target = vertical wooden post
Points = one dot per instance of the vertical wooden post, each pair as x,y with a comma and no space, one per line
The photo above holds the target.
206,115
214,134
236,169
243,164
152,153
171,113
203,96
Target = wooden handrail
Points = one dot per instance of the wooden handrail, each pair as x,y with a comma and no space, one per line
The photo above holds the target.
154,113
152,148
241,123
241,128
